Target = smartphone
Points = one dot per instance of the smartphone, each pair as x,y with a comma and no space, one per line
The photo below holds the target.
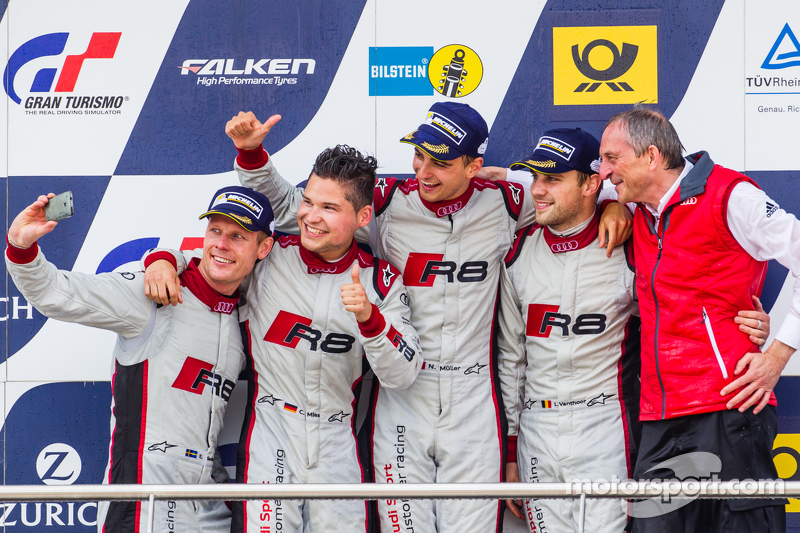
59,207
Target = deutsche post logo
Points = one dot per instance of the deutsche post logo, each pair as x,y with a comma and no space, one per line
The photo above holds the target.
786,455
597,65
455,70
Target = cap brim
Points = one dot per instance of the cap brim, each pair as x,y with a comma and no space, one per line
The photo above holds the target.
541,165
251,230
431,145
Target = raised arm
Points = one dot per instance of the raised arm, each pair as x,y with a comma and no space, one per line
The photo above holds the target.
111,301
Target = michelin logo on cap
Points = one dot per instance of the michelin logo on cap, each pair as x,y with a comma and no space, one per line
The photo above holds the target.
435,119
239,199
556,146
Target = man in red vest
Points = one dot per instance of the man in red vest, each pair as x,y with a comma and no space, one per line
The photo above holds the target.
702,236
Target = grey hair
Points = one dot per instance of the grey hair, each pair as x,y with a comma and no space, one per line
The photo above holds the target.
647,127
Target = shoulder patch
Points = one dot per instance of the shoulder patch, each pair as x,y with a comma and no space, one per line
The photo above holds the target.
384,190
519,241
513,194
383,277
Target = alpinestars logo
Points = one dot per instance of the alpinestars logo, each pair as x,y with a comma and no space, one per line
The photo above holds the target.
101,46
196,374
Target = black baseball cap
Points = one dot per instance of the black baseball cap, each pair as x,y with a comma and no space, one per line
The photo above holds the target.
451,130
562,150
250,209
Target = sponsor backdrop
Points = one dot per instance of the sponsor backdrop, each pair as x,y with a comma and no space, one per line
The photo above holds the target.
124,103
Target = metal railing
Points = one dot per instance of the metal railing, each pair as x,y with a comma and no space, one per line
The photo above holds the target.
664,490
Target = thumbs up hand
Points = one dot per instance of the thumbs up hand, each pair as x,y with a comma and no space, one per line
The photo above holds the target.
354,297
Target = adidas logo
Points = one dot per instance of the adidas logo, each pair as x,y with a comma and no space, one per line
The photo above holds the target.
771,208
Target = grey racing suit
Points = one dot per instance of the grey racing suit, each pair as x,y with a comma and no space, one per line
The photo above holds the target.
305,360
572,310
450,424
173,371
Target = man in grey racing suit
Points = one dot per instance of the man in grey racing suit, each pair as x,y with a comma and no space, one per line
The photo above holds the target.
315,310
569,317
448,233
174,368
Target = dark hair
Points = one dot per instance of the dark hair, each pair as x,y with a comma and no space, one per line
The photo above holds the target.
647,127
352,170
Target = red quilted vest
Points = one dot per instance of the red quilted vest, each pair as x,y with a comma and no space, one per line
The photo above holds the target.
692,278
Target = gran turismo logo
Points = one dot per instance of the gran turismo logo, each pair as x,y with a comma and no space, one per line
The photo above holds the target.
58,464
101,46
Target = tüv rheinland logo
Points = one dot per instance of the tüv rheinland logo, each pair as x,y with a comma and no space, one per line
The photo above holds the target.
48,96
785,52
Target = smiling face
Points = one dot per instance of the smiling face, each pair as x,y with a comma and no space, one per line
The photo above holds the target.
327,220
443,180
561,203
229,253
631,175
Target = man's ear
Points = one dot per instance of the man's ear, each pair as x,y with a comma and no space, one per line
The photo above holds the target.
654,158
474,167
265,247
364,215
592,185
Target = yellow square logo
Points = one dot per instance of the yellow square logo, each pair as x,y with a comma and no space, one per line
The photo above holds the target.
600,65
786,454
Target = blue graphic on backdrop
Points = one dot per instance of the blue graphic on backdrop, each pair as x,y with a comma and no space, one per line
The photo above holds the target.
61,246
399,71
786,59
52,433
220,62
528,109
125,253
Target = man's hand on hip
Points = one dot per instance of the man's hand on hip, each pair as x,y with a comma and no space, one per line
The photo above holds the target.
763,371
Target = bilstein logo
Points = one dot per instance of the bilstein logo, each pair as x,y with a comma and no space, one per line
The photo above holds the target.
786,455
605,65
455,70
101,46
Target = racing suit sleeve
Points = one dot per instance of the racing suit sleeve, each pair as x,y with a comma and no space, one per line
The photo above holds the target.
767,232
180,260
390,341
511,358
256,171
112,301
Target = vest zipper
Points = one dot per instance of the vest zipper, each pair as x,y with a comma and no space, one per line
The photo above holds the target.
655,300
710,331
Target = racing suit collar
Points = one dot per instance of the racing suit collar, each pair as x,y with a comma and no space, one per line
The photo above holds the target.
317,265
193,280
582,239
449,207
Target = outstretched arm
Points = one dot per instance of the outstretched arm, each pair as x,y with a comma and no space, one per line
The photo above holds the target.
31,224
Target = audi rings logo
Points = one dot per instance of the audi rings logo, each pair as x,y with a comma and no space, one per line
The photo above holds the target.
318,270
450,209
559,247
690,201
224,307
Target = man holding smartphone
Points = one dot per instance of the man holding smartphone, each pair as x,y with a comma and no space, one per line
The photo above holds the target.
174,367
